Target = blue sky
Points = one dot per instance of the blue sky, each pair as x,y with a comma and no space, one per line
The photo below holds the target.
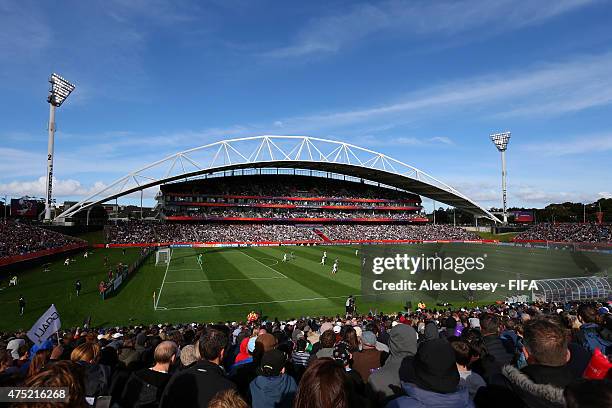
425,82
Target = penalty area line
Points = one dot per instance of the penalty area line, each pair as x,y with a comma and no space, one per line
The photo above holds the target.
254,303
261,263
225,280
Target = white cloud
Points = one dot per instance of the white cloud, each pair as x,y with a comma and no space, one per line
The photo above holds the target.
329,34
61,188
549,89
581,145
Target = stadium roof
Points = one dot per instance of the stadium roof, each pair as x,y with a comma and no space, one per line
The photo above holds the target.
297,152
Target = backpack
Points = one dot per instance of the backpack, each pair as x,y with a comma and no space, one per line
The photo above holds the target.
147,397
590,338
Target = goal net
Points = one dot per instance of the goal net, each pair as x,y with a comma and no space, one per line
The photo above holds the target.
162,256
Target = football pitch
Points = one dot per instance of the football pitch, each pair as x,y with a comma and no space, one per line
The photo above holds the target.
231,282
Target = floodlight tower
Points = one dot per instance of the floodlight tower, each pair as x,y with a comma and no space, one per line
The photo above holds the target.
500,140
58,92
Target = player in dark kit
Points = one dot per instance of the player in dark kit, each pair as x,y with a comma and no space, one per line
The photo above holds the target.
22,305
77,286
350,305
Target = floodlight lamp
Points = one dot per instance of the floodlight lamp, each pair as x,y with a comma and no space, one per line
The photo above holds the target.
59,90
500,140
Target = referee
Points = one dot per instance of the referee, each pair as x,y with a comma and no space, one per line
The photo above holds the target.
350,305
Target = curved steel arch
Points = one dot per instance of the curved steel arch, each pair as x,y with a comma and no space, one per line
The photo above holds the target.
272,151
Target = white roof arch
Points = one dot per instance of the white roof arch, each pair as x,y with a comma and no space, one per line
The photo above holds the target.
273,151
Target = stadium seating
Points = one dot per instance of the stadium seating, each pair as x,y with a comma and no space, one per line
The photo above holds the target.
567,232
18,239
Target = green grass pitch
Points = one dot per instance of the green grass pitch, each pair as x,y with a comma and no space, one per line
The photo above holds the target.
233,281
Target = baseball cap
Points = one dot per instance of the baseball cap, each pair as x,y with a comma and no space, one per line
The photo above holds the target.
272,363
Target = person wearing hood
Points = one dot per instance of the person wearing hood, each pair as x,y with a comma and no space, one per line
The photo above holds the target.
385,382
431,379
430,332
272,388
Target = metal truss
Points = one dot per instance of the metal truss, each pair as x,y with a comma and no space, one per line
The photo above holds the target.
272,151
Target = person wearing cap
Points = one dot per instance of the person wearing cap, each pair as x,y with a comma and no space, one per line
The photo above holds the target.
243,374
385,382
431,379
369,358
272,387
344,357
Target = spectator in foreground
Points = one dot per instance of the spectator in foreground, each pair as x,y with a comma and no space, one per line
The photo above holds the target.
541,382
196,386
497,353
590,334
97,376
589,393
463,357
60,374
431,379
227,399
323,385
144,388
385,382
272,387
369,358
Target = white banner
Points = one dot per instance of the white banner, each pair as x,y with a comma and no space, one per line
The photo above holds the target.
48,324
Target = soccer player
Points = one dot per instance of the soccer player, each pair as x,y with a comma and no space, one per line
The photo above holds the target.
77,286
285,257
200,259
67,262
335,267
324,258
13,281
22,305
357,252
86,254
292,256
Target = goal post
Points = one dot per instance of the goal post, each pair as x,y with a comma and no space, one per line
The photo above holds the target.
162,256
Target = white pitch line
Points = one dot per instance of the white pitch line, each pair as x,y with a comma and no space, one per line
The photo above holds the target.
261,263
224,280
164,280
184,270
255,303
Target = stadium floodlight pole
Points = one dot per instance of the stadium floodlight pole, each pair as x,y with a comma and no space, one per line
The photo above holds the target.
500,140
58,92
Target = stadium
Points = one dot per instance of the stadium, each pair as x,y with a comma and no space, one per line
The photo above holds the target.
278,264
256,224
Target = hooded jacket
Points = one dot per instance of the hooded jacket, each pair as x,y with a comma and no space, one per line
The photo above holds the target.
430,332
277,392
402,344
419,398
539,386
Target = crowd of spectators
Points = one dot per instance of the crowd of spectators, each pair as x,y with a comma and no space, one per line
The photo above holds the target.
279,185
140,232
205,213
568,232
519,355
21,239
399,232
152,232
